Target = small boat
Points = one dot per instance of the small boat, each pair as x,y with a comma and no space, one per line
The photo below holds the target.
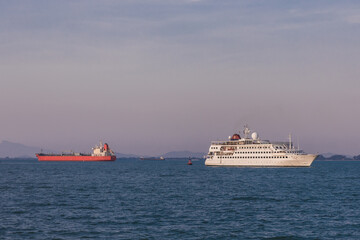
153,158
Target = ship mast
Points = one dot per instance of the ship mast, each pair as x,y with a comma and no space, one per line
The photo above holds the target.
289,140
246,131
298,143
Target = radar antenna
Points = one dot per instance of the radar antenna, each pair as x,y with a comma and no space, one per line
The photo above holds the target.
246,131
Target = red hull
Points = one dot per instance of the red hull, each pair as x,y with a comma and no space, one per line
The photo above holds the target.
75,158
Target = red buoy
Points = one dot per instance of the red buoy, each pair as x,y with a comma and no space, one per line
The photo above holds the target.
189,162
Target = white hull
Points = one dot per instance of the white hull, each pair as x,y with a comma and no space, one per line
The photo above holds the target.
292,161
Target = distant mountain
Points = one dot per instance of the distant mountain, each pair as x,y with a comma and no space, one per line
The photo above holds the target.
17,150
327,155
184,154
335,157
174,154
331,155
123,155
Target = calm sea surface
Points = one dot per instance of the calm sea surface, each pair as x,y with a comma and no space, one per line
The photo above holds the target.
134,199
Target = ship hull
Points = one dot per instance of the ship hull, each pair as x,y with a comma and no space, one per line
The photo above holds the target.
71,158
291,161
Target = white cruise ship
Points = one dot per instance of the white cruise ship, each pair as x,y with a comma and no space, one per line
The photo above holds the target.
254,152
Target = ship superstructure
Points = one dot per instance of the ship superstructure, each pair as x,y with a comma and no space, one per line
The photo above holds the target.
254,152
102,152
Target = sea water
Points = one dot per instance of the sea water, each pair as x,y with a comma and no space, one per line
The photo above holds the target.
134,199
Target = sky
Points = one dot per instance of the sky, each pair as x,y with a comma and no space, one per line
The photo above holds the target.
154,76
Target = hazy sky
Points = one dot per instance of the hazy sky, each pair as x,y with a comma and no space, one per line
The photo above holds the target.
154,76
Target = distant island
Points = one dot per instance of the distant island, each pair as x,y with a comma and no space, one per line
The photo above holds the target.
184,154
337,157
17,150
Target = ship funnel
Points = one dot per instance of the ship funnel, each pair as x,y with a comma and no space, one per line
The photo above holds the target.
235,137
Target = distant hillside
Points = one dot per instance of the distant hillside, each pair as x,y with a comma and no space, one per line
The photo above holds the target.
123,155
184,154
331,155
336,157
174,154
17,150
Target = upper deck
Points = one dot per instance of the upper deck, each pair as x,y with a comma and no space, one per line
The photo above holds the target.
240,142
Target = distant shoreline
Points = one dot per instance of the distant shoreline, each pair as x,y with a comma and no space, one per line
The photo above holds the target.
337,160
31,158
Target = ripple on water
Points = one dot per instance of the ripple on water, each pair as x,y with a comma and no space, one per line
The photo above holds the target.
132,200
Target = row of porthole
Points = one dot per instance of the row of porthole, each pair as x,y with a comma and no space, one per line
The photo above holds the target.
253,147
251,152
245,147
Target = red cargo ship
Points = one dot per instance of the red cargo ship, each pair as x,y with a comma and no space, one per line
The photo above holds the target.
100,153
